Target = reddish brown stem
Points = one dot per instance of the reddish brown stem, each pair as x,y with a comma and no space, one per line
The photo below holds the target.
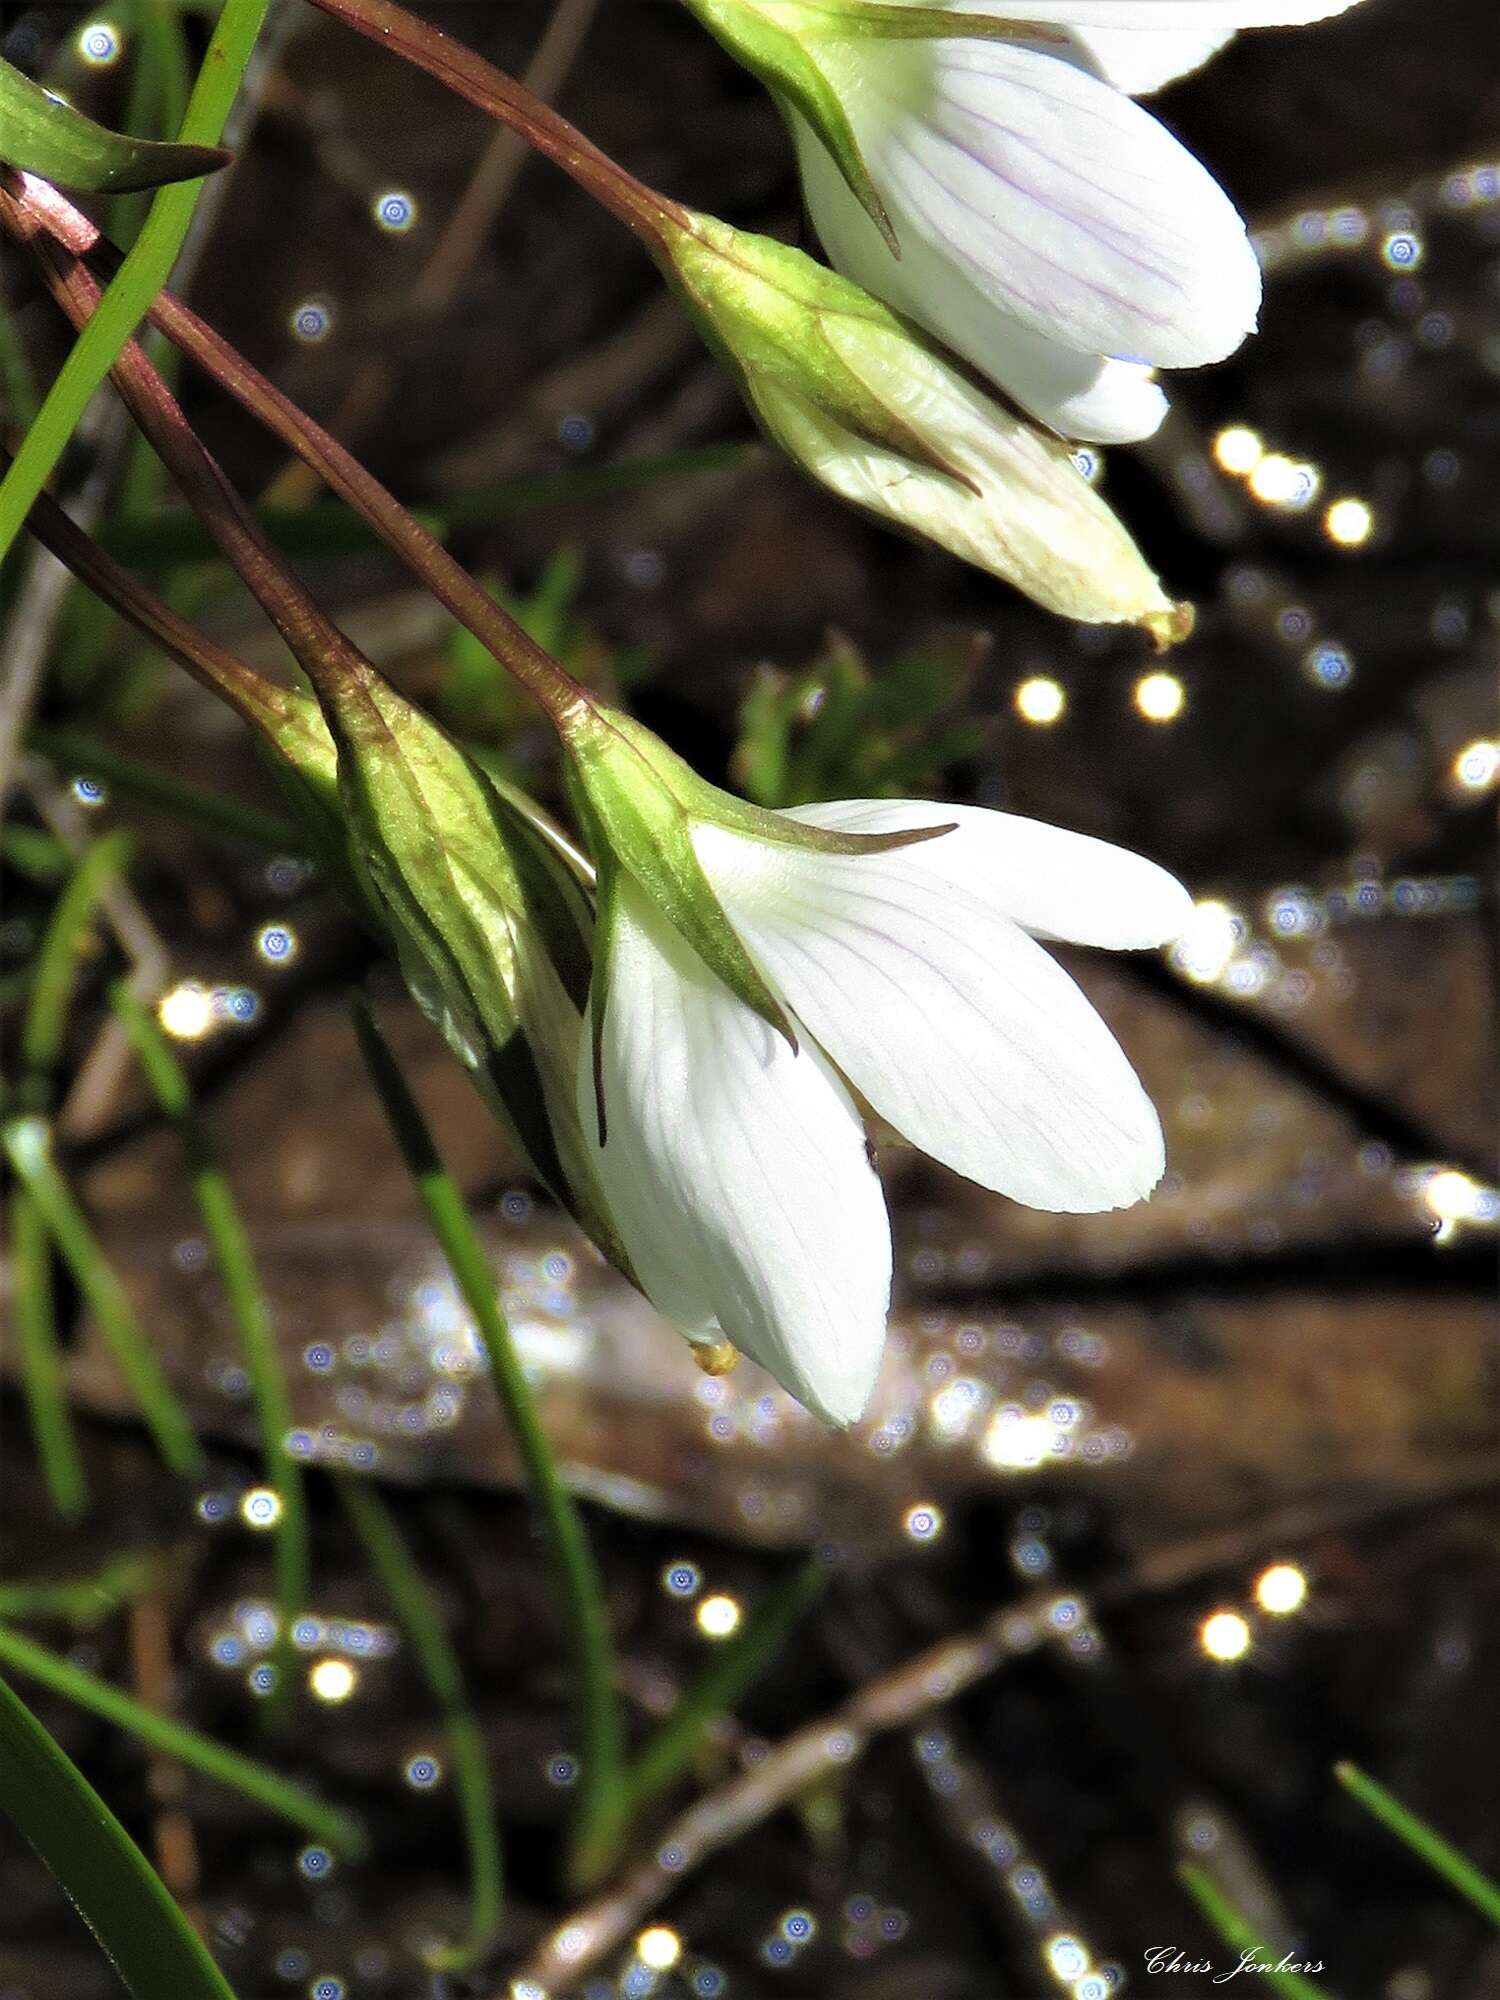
491,90
28,207
259,700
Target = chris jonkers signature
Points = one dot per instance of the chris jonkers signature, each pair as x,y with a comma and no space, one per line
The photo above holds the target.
1167,1958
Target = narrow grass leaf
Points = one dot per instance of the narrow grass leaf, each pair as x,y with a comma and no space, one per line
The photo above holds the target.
419,1618
1424,1841
667,1753
230,1248
574,1571
98,1866
1240,1935
28,1145
41,1359
75,752
62,947
252,1780
42,135
145,270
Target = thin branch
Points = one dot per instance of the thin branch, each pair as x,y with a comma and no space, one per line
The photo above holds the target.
472,219
895,1700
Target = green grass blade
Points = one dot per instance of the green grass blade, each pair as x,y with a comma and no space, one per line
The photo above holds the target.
339,1830
83,1600
74,752
34,853
41,1359
61,947
407,1589
231,1252
1423,1840
147,266
157,101
601,1734
667,1753
114,1888
1240,1935
27,1143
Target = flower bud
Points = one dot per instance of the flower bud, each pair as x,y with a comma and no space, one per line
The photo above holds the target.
878,413
491,930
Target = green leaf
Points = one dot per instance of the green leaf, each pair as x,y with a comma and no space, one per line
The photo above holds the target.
42,135
28,1144
114,1888
575,1574
1240,1935
201,1753
248,1306
139,279
1424,1841
678,1738
437,1662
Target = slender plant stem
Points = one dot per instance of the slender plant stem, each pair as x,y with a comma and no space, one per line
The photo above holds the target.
438,1663
31,210
1424,1841
141,277
231,1251
667,1753
41,1359
489,89
57,960
28,1144
339,672
252,1780
116,1891
84,1600
574,1570
262,702
1241,1935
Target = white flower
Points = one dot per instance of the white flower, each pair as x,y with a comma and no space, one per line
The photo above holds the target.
736,1167
1051,231
872,409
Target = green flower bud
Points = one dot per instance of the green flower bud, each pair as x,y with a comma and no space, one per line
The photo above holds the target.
491,928
885,418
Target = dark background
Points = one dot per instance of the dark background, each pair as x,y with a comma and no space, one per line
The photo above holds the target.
1283,1357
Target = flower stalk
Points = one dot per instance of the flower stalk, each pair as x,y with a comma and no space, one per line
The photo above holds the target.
853,392
31,209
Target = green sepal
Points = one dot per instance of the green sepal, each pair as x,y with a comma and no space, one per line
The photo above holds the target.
785,63
630,792
480,911
760,305
639,802
41,135
892,21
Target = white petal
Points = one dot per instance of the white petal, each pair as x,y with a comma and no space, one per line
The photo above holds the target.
1069,206
1053,883
1140,61
1177,16
1023,512
956,1027
1076,395
737,1173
